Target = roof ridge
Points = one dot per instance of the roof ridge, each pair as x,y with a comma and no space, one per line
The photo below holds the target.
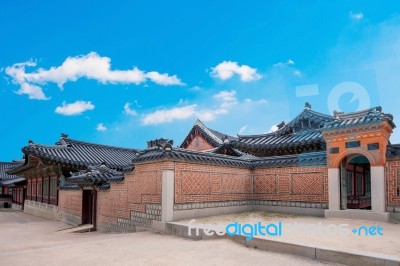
349,114
67,140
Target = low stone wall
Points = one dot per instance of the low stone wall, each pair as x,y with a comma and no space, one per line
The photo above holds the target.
44,210
394,212
203,209
16,207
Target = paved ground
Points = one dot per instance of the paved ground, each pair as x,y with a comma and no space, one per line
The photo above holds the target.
387,244
29,240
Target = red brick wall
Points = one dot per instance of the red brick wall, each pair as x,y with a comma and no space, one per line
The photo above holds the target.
199,144
203,183
70,202
141,186
393,178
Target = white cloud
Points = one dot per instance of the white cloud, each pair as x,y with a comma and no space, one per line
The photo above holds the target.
297,73
90,66
128,110
164,79
273,129
284,64
242,129
169,115
356,16
195,88
75,108
250,101
227,69
34,92
227,98
100,127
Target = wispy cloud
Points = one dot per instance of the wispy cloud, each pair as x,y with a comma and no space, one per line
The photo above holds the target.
225,99
284,64
101,128
128,110
356,16
227,69
90,66
169,115
242,129
75,108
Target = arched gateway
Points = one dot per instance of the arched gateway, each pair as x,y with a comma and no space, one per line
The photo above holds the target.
356,157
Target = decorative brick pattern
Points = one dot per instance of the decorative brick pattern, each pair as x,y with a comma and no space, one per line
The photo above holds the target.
195,183
265,184
393,176
238,184
283,184
232,184
216,183
307,184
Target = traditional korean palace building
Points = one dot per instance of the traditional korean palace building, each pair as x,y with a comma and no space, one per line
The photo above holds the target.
334,166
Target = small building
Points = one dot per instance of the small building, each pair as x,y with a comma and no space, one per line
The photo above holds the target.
12,187
316,164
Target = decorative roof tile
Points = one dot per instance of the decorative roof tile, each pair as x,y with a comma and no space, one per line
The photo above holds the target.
95,176
369,116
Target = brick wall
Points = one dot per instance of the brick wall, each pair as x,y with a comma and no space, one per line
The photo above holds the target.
393,181
199,144
135,202
195,183
70,206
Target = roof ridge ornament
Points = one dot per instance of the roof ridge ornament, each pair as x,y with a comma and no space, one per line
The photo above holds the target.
307,106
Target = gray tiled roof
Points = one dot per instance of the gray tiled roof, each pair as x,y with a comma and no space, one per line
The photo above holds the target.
393,151
214,137
4,167
251,162
98,176
369,116
82,154
304,130
9,179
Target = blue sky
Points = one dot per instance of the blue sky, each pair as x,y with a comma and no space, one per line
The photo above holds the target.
124,72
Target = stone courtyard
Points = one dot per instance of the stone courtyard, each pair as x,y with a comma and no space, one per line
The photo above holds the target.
29,240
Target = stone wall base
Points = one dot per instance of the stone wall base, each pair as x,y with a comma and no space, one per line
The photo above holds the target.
44,210
16,207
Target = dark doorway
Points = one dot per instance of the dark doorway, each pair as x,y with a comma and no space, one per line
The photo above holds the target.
356,183
89,207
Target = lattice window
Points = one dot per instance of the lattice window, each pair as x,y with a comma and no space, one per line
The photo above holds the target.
46,187
29,188
53,187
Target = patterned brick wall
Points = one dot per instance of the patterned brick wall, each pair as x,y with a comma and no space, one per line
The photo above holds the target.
126,205
195,183
199,144
302,184
393,176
